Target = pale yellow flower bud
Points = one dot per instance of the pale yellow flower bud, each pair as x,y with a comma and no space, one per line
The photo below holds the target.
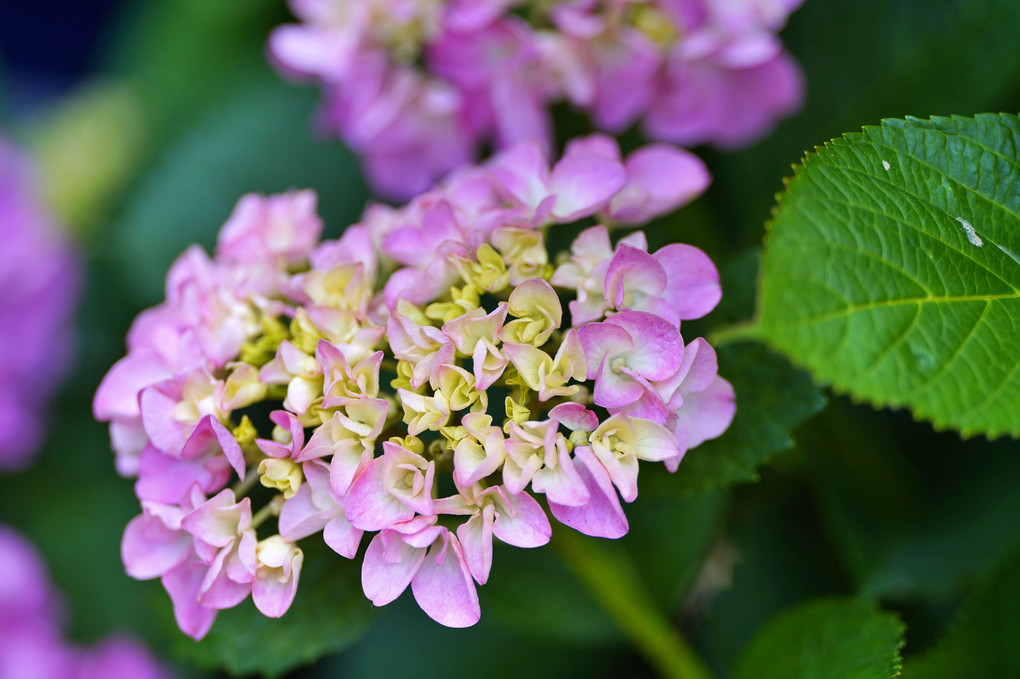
282,474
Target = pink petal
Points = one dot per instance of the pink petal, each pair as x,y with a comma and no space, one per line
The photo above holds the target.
150,548
345,466
476,538
369,506
218,590
622,472
693,288
635,271
602,516
217,520
158,419
601,340
309,50
658,347
117,396
209,431
389,565
583,183
710,411
443,586
660,179
574,416
599,145
273,595
168,480
526,526
182,583
562,484
615,389
300,517
342,537
523,173
627,71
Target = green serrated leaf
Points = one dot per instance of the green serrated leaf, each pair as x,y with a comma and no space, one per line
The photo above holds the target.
773,398
259,142
891,269
983,642
329,615
841,639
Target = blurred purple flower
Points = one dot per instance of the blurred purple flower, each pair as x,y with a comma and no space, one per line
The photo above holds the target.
419,88
31,641
39,276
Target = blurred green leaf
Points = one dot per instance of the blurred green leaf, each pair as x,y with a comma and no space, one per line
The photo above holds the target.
404,642
915,514
669,538
961,537
772,556
88,148
828,638
772,399
875,279
983,641
738,275
260,142
329,615
182,55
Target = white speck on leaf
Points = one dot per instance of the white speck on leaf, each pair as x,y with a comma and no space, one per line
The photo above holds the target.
886,165
971,233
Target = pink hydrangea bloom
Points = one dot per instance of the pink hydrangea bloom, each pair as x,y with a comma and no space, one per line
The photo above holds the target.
32,644
375,362
418,88
39,274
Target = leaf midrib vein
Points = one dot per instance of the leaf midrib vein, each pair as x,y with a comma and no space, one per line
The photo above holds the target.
882,304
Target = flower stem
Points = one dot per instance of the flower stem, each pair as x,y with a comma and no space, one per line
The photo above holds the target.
241,488
613,580
740,332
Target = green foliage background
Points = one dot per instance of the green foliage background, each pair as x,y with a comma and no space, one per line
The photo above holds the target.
888,523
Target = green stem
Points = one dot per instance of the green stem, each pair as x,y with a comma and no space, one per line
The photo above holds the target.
241,488
271,509
613,580
741,332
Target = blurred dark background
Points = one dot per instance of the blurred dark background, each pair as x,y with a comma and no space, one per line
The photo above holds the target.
46,46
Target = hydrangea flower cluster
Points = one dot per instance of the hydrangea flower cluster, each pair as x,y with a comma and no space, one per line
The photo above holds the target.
31,641
418,86
39,278
420,379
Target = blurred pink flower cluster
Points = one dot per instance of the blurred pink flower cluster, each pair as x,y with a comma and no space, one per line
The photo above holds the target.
417,87
32,645
39,277
420,379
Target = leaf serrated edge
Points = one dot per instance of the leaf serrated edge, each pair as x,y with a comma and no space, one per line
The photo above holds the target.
892,404
873,608
815,406
753,327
